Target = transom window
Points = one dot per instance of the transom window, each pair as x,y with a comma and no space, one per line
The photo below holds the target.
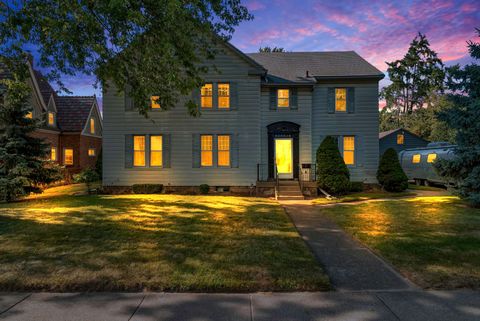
51,119
92,126
68,156
431,158
154,102
349,150
156,150
283,98
206,94
206,142
223,150
416,158
53,153
340,99
91,152
400,139
138,150
223,95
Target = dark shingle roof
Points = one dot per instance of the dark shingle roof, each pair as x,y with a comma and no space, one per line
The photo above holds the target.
293,66
45,89
388,132
73,111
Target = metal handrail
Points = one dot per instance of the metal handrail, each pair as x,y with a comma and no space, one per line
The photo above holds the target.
277,181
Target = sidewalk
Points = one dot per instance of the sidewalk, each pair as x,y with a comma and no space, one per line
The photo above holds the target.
331,306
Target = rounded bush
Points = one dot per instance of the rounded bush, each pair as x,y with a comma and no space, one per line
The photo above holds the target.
390,173
204,189
332,173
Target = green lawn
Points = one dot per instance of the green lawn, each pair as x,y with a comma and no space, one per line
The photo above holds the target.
435,241
153,242
425,188
361,196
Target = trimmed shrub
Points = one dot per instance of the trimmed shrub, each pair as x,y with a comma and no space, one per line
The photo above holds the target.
356,187
390,173
147,188
332,173
204,189
87,176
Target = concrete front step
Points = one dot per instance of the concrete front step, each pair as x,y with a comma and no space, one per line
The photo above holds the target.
289,188
287,183
290,193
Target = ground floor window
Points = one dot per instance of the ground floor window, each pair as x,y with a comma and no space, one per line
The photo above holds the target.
223,150
138,150
156,150
206,145
68,156
91,152
349,150
53,153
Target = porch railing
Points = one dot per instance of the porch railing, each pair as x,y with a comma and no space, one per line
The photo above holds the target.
307,173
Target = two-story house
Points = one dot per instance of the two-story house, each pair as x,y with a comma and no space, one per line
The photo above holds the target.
71,125
263,116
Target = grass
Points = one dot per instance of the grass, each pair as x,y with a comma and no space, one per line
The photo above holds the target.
361,196
425,188
435,241
63,190
152,242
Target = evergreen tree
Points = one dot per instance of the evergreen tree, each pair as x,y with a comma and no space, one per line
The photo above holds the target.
390,173
414,77
332,173
24,164
464,169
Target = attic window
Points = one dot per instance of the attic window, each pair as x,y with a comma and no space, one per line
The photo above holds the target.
92,126
154,102
51,119
400,139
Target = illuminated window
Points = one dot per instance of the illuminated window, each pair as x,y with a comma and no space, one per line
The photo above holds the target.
91,152
400,139
29,115
206,94
154,102
92,126
68,156
431,158
207,150
223,95
349,150
51,119
223,150
340,99
156,148
283,97
416,158
53,153
138,150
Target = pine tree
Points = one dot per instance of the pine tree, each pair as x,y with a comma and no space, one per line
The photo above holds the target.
24,164
332,173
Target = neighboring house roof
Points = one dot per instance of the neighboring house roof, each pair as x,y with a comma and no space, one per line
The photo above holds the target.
389,132
73,112
293,66
45,89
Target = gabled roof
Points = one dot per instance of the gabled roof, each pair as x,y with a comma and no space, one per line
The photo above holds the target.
392,131
293,66
45,89
73,112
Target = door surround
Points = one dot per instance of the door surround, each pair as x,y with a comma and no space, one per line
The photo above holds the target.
283,129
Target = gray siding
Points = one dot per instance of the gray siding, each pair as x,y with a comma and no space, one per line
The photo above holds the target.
410,141
244,121
363,124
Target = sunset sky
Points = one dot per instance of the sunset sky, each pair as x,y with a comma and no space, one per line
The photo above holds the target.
378,30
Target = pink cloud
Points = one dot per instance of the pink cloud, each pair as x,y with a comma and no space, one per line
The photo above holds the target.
254,5
469,7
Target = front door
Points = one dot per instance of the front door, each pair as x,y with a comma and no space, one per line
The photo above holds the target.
284,157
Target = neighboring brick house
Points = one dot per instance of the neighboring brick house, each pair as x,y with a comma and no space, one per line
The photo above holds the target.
72,124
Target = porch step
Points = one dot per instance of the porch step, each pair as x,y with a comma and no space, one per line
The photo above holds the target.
289,190
288,182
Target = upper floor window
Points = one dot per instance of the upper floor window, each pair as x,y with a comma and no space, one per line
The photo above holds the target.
156,150
340,99
206,94
51,119
223,150
431,158
283,98
206,145
92,126
91,152
154,104
223,95
400,139
416,158
349,150
68,156
53,153
138,150
29,115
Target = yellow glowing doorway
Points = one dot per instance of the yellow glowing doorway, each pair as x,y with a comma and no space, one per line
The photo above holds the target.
284,157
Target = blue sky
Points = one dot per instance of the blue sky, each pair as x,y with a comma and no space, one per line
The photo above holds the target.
378,30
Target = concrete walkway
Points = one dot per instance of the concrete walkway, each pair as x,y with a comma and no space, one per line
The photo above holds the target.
350,265
331,306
